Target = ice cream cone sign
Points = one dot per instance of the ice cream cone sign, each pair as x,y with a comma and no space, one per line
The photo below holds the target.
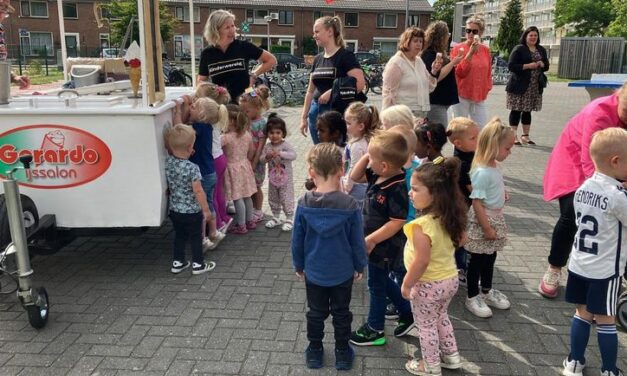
134,64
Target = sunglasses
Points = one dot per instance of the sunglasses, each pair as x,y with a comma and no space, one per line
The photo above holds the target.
473,31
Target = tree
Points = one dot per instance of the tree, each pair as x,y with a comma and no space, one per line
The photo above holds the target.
618,27
588,17
444,10
510,29
122,11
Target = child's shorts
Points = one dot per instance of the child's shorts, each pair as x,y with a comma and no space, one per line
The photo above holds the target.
600,296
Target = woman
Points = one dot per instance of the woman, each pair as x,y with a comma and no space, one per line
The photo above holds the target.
334,62
225,60
445,93
406,79
473,74
568,167
524,92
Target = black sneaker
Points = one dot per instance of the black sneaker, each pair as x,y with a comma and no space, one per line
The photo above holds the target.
314,357
391,313
404,326
178,266
366,336
344,359
203,268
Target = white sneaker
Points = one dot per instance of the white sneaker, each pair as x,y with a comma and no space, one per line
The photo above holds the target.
214,244
422,368
273,222
572,368
495,298
207,244
477,307
230,207
451,361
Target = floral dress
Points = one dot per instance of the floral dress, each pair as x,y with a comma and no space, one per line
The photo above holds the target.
258,131
530,100
239,180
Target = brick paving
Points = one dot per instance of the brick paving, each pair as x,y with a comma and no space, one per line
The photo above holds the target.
117,310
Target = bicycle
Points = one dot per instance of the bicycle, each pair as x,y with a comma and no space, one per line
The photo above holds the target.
277,93
373,75
174,75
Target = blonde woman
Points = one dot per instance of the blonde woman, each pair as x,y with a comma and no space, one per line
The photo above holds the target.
225,60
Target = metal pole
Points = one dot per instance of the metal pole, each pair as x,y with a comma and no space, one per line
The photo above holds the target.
193,41
62,32
406,14
269,20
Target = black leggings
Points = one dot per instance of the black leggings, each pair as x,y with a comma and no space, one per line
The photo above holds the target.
515,116
564,232
480,267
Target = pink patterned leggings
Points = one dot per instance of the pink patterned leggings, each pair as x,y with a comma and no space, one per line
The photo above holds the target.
429,304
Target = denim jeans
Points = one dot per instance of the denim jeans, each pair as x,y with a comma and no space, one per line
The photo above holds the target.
208,183
336,300
187,227
314,111
381,285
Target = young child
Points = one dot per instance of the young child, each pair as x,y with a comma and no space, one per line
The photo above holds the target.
239,179
463,133
385,212
487,231
187,201
210,90
253,103
431,140
431,280
279,155
332,128
596,262
328,226
397,114
361,123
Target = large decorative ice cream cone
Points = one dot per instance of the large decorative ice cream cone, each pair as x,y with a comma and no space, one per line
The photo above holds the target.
135,75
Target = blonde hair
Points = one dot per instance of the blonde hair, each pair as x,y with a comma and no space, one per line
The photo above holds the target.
458,126
477,21
391,146
212,113
216,19
259,97
179,137
334,23
410,137
398,114
607,144
437,36
238,118
210,90
405,39
325,159
366,115
491,137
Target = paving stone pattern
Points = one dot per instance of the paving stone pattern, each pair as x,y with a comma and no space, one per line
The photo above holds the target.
117,310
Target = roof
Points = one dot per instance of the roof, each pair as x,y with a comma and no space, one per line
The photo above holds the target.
363,5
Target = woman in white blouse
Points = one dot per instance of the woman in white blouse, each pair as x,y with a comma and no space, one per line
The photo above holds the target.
406,80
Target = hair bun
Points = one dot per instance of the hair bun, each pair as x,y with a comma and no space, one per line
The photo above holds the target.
273,115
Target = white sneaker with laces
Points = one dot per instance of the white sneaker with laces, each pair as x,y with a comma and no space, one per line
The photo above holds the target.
451,361
477,307
495,298
572,368
550,283
214,244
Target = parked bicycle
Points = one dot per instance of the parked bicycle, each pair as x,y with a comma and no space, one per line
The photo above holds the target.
175,75
500,72
373,73
277,93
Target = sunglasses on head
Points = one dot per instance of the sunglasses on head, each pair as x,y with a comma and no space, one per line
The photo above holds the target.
473,31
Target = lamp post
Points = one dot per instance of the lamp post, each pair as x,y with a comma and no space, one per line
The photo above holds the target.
268,19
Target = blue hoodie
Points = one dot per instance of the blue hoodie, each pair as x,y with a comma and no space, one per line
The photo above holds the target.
328,238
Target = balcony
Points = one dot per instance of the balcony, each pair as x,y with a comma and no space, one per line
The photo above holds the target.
546,6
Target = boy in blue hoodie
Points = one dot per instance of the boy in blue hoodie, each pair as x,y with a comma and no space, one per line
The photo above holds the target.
328,252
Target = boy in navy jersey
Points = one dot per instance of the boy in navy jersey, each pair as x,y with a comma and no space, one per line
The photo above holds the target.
599,252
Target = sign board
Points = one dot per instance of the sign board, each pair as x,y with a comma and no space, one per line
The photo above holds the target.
23,32
245,27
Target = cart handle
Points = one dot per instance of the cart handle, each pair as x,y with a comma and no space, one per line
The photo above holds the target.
62,93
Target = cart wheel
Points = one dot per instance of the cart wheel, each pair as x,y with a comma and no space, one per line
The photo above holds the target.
31,219
38,312
621,312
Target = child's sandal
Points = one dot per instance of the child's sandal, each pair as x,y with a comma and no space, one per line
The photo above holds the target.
287,226
273,222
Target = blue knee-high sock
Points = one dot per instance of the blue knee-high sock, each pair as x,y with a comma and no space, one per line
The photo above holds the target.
608,344
579,334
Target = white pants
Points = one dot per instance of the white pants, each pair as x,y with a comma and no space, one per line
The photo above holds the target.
476,111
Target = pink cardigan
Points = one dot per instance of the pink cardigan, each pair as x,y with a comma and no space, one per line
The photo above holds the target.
569,164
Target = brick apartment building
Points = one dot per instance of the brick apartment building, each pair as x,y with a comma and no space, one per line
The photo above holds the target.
369,24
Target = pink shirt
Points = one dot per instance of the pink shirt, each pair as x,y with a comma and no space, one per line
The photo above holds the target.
474,78
569,164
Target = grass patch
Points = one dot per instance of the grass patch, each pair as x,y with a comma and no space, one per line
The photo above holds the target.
37,73
53,76
553,78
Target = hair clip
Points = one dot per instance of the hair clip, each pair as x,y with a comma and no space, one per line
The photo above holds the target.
438,160
250,91
221,90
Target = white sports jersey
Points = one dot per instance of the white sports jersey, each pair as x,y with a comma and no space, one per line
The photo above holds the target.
600,246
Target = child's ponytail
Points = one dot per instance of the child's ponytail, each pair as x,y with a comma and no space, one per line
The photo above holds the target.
223,118
366,115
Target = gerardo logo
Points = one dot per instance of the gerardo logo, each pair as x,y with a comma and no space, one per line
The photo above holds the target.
62,156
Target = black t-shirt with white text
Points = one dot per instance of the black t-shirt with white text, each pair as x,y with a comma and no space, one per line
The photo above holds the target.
326,69
229,68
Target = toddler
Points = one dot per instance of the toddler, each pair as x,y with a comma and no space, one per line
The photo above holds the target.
331,127
431,140
397,114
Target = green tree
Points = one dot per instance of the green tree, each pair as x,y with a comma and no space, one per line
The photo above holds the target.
510,29
123,11
588,17
618,27
444,10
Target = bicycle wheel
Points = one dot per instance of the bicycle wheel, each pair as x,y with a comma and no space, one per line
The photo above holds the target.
277,95
375,85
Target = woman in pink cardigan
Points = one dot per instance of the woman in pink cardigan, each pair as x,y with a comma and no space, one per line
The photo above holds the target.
568,166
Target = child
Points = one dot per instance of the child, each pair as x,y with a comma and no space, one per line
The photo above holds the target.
279,155
395,115
462,133
487,231
431,280
328,252
187,201
253,103
210,90
332,128
385,211
596,261
239,179
431,140
361,123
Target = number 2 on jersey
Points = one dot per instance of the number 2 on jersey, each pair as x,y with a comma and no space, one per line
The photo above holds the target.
580,243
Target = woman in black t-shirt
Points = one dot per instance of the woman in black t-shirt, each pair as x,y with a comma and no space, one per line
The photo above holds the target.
225,60
334,62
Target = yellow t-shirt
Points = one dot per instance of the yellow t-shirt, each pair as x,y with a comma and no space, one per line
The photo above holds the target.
442,265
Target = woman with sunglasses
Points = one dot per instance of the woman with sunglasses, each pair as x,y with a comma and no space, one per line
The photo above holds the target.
527,62
473,74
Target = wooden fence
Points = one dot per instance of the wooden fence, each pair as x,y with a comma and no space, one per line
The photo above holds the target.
582,56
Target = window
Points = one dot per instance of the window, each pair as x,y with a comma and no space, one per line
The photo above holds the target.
318,14
182,14
69,10
182,46
386,20
34,8
286,17
105,41
37,44
351,19
414,20
387,48
257,16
